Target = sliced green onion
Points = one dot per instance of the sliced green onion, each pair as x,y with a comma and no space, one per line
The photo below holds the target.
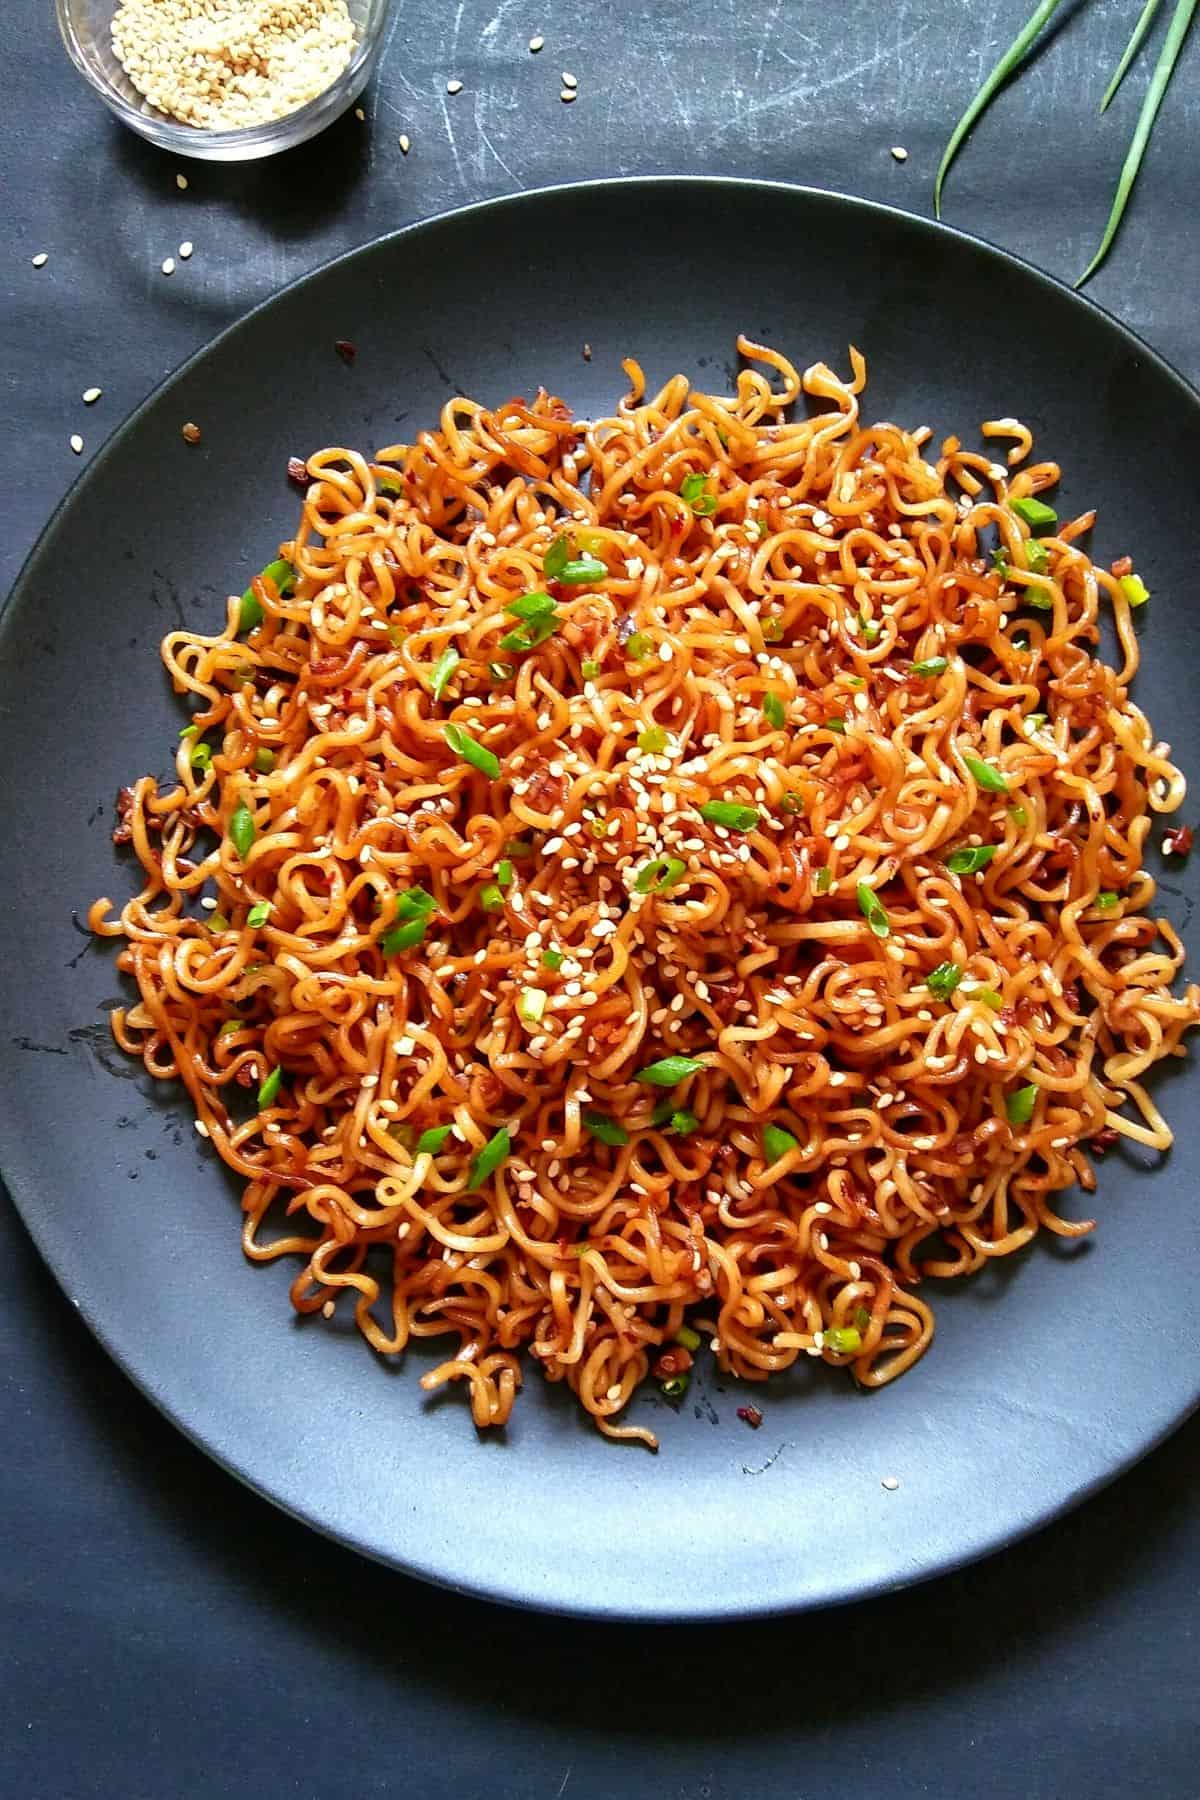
824,880
500,671
414,903
488,1160
269,1089
869,629
218,922
259,914
777,1142
552,959
189,731
843,1340
943,980
999,75
443,669
669,1071
873,910
1145,19
1038,597
396,635
662,1112
556,558
790,803
971,858
836,724
639,645
590,670
684,1123
490,897
1035,513
653,740
931,665
771,628
1000,562
1037,557
1164,68
528,637
251,613
606,1129
431,1141
862,1317
699,496
466,747
200,756
405,937
1135,590
1019,816
662,873
773,711
531,1004
675,1387
531,606
582,571
1019,1106
242,829
989,998
1107,900
688,1338
231,1025
986,775
504,873
1036,721
730,814
264,761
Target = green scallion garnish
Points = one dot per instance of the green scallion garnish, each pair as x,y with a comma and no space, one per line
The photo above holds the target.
531,1004
486,1161
988,997
581,571
943,980
669,1071
873,910
528,637
552,959
683,1123
531,606
930,665
688,1338
443,669
200,756
1019,816
284,577
504,872
639,645
1145,20
824,880
501,671
986,775
269,1088
431,1141
477,754
556,558
773,711
1035,513
842,1340
653,740
971,858
662,873
264,761
490,897
1038,597
730,815
998,76
606,1129
675,1386
1037,557
1134,590
405,937
837,724
590,670
259,914
771,628
1107,900
699,496
1019,1106
777,1142
242,829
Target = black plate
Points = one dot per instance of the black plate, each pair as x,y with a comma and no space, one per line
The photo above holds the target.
1051,1371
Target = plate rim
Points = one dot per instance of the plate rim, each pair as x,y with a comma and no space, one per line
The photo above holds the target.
836,1593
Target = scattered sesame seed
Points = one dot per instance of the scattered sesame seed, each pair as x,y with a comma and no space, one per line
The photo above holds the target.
567,95
405,143
569,80
91,395
40,260
890,1483
900,153
190,432
185,249
201,1127
181,182
359,113
454,87
168,265
77,444
328,1310
536,44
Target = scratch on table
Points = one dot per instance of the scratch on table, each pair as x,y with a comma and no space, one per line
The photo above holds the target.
458,163
806,91
770,1462
481,128
562,1786
488,34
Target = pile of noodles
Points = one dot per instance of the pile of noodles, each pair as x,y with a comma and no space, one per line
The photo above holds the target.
756,591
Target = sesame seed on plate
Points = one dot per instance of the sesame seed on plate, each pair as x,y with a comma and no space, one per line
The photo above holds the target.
91,395
359,113
536,44
168,265
185,249
900,153
569,80
39,261
181,182
567,95
890,1483
405,143
77,444
454,87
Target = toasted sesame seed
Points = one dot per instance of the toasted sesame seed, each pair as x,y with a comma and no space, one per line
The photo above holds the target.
168,265
454,87
77,443
536,44
567,95
359,114
405,143
185,249
91,395
201,1127
900,153
890,1483
181,182
569,80
40,260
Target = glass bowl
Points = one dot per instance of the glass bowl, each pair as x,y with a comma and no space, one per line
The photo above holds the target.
86,31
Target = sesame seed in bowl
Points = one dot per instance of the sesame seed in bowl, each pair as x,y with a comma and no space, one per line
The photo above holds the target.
225,80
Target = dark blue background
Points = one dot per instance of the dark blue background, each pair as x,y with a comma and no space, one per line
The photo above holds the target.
163,1632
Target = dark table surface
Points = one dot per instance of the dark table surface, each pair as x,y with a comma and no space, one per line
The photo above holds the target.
164,1632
